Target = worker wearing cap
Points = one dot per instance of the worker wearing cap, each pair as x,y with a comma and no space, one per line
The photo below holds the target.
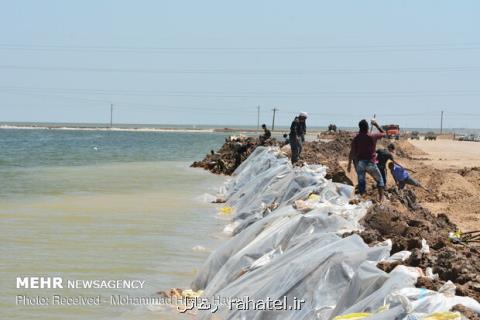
298,129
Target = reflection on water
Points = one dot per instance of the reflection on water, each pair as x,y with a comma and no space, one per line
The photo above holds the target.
135,220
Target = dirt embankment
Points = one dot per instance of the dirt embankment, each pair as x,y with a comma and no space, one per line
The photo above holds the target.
236,150
233,152
406,223
330,153
410,216
455,192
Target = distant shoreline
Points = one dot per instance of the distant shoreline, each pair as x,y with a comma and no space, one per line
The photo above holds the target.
187,128
128,129
91,128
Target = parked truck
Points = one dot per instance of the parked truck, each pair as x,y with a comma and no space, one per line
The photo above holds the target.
392,131
415,135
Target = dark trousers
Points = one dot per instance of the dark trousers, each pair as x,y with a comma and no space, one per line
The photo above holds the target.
383,171
296,146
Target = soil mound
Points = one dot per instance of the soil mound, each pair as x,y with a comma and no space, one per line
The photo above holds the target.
469,314
453,192
236,150
233,152
459,263
330,153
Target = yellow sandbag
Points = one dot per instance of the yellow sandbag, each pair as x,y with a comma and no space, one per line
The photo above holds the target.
192,294
361,315
353,316
383,308
313,197
225,210
443,316
175,293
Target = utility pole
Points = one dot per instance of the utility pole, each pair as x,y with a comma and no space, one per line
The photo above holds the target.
111,115
441,122
273,121
258,118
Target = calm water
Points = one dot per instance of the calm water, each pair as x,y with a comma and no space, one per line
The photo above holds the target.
102,205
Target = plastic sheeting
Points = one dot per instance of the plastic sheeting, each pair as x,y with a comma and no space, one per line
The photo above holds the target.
287,244
315,270
267,178
393,295
266,181
273,241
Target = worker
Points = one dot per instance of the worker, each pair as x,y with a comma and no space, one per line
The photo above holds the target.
216,162
383,156
298,129
362,152
239,149
402,177
266,134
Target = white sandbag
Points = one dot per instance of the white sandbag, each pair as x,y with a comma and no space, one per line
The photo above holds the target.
281,253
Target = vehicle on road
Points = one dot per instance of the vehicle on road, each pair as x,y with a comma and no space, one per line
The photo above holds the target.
392,131
469,137
415,135
430,136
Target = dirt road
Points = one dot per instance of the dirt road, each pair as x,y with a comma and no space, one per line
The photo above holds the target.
452,170
449,154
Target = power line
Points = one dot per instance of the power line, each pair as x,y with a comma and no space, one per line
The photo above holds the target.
239,110
454,114
246,50
216,111
246,94
136,105
216,71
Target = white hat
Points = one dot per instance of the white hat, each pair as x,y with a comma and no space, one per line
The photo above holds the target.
303,114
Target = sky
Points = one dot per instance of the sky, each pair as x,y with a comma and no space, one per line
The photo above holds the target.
219,62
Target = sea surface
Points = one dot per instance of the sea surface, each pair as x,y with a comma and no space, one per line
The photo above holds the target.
238,128
103,205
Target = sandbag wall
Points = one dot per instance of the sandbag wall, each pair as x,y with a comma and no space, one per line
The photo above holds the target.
287,243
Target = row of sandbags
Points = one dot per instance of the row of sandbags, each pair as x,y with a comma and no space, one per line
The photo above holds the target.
287,245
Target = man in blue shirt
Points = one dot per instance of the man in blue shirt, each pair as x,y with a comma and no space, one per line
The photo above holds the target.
402,177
